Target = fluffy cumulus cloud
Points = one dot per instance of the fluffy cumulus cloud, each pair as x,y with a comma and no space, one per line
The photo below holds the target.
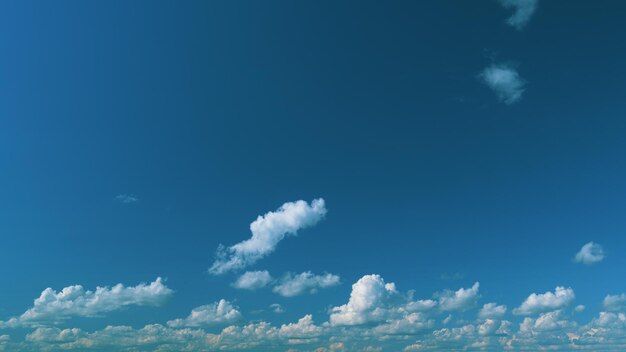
614,303
590,253
267,231
523,10
74,301
252,280
221,312
377,317
368,301
505,81
156,337
460,300
293,285
492,311
549,301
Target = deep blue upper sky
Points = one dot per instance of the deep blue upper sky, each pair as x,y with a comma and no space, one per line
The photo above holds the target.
211,113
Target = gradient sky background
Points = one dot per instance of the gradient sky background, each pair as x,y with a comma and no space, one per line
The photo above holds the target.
211,113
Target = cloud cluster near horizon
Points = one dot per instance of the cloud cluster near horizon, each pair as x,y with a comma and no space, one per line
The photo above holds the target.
75,301
267,231
377,316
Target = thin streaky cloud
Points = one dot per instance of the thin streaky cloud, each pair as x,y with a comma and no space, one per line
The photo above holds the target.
126,198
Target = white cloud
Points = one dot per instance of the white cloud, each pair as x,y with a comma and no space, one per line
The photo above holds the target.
304,328
126,198
267,231
221,312
462,299
615,303
590,253
277,308
367,300
492,311
252,280
579,308
293,285
505,81
539,303
523,11
53,306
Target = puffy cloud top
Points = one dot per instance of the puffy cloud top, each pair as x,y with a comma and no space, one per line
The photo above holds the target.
540,303
462,299
252,280
220,312
267,231
590,253
492,311
505,81
615,302
52,306
294,285
367,300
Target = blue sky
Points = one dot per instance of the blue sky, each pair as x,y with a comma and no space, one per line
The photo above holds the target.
312,175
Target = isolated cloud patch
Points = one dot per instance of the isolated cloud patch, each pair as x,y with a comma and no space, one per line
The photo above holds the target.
53,306
590,253
252,280
369,297
614,303
523,11
505,81
221,312
126,198
460,300
267,231
545,302
492,311
294,285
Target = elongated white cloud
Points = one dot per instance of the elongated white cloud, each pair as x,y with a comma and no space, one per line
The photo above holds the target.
505,81
379,318
462,299
267,231
307,282
523,11
492,311
252,280
614,303
221,312
53,306
545,302
590,253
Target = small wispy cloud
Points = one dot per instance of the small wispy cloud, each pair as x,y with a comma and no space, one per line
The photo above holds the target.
252,280
277,308
126,198
293,285
505,81
523,11
590,253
